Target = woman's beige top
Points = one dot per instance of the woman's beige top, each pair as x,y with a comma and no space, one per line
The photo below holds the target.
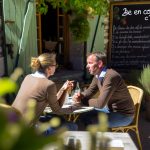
43,91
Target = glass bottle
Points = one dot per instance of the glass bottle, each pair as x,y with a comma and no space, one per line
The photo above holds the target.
78,144
77,89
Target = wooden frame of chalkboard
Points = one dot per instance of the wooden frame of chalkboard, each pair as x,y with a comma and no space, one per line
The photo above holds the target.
129,36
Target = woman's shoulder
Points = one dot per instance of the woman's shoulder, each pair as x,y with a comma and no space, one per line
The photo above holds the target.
50,82
44,81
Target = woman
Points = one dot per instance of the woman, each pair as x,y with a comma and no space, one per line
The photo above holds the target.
38,87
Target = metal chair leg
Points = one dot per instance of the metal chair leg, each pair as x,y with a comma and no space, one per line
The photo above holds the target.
138,138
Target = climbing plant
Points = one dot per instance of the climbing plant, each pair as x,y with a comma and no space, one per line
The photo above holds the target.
94,7
81,10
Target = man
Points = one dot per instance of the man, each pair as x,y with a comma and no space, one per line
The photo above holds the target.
114,98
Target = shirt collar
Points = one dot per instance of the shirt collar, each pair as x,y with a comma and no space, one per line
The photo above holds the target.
38,74
102,74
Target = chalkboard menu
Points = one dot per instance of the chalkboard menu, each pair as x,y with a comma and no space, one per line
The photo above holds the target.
129,43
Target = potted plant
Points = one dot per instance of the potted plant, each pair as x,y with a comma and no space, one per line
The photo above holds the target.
80,28
145,82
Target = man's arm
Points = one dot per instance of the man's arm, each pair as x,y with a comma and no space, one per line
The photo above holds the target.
110,84
90,91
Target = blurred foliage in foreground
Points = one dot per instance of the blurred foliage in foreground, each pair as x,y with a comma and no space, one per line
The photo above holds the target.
145,79
8,84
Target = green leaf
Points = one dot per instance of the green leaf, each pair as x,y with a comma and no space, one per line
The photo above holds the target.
29,140
99,6
145,78
80,28
7,86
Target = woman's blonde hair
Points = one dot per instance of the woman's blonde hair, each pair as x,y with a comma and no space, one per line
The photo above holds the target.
43,61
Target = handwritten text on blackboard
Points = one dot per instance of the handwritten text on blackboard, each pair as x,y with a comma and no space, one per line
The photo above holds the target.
127,12
130,35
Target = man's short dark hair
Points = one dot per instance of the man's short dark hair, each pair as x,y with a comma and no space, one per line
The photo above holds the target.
99,56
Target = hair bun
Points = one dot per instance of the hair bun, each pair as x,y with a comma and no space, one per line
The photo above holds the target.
35,63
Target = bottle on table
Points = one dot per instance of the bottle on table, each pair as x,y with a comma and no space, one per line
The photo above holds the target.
78,144
71,143
77,88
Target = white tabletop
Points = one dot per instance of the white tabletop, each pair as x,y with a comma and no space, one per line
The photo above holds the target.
77,109
84,137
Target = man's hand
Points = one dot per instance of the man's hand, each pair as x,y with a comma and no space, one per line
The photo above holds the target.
77,97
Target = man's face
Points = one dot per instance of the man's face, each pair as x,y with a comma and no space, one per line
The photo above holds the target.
93,66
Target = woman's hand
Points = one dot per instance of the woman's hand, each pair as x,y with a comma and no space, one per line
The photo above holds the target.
68,85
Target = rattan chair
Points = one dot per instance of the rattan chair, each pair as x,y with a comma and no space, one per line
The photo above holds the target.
137,95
